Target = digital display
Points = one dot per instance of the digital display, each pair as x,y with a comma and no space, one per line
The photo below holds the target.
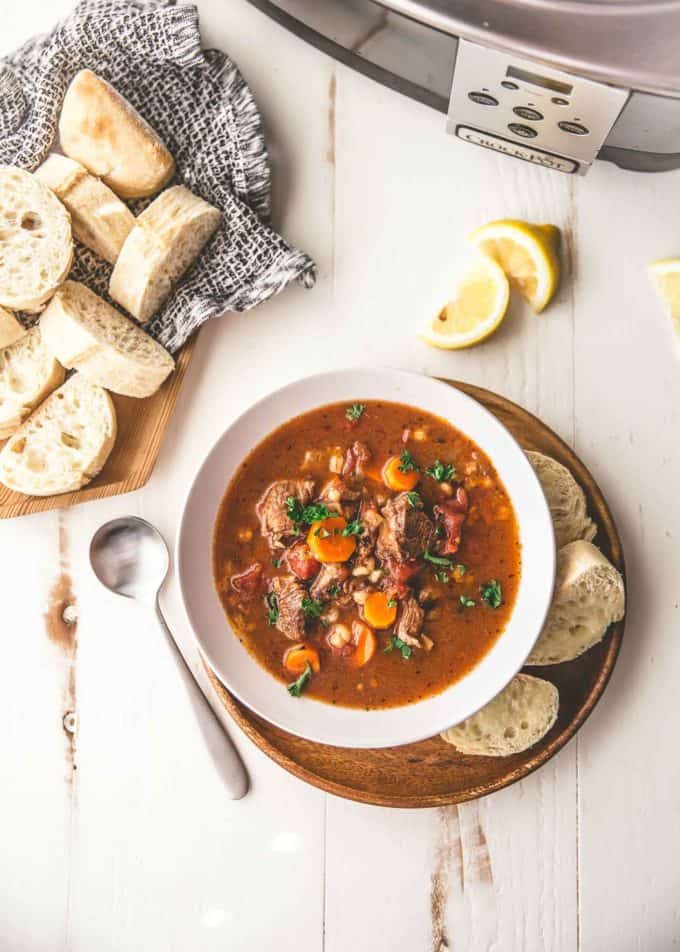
553,84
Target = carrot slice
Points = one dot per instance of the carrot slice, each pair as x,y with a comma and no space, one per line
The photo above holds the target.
380,610
298,657
395,479
327,542
365,643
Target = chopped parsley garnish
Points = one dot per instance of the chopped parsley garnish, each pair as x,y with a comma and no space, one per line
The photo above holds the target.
491,593
441,576
414,499
437,559
441,472
296,688
467,602
460,569
407,464
354,412
272,603
277,563
400,645
315,512
334,590
391,603
353,527
311,608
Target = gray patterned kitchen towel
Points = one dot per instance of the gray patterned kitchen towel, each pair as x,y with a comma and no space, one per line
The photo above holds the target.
200,105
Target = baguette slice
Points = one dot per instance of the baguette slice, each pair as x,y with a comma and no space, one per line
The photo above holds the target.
36,249
100,129
566,500
167,238
515,720
85,332
10,328
98,217
589,597
28,374
63,444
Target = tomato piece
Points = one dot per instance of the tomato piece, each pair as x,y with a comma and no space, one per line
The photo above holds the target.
250,583
301,561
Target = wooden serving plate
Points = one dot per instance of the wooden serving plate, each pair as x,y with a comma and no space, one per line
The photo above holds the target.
141,427
432,773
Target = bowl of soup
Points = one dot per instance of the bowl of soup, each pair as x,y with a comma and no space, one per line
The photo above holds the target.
366,557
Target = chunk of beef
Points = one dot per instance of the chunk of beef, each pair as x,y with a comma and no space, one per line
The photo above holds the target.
250,583
338,496
332,573
289,594
406,531
275,524
371,520
301,562
450,516
356,458
410,623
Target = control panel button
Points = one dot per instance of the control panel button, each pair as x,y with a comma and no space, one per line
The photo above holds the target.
573,128
506,84
482,99
526,132
526,112
558,101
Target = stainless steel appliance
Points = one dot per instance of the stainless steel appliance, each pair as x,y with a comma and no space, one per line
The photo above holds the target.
555,82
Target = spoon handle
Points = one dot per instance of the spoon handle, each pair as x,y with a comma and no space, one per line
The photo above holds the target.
224,754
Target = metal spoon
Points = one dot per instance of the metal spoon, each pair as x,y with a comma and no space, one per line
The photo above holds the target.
129,556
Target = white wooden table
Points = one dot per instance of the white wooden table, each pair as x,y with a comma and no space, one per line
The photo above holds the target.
117,837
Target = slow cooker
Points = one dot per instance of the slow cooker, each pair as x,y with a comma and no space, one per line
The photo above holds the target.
559,83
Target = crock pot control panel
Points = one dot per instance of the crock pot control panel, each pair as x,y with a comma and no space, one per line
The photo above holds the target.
530,111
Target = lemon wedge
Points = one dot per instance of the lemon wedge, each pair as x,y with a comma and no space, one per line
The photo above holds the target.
476,310
529,255
665,275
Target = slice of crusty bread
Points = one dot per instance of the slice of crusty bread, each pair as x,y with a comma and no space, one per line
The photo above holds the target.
566,500
100,129
36,248
10,328
28,374
515,720
63,444
98,217
167,238
589,596
85,332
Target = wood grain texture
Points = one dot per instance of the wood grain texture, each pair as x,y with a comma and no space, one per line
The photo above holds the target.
431,773
141,428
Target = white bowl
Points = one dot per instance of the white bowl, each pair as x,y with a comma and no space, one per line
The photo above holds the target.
315,720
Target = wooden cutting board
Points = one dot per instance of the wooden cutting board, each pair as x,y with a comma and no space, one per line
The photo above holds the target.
432,773
141,428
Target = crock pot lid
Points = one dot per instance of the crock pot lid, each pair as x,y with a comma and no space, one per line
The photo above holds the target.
631,43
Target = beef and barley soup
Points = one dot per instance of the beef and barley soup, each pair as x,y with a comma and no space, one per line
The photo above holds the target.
367,555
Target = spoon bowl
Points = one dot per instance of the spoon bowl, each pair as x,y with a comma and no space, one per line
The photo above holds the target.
130,558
